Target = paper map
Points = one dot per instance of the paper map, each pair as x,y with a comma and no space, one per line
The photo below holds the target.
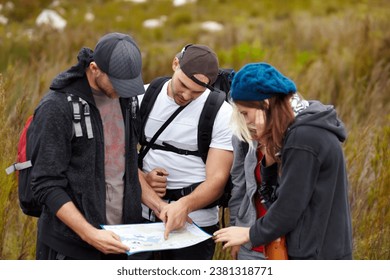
150,236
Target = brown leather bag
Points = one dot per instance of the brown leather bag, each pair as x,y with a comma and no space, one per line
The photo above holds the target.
276,250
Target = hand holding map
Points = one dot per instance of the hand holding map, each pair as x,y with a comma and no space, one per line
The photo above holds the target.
150,237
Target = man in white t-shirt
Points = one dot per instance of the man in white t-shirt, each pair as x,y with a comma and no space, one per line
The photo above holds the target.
165,171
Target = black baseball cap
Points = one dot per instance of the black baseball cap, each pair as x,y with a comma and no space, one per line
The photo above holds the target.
118,56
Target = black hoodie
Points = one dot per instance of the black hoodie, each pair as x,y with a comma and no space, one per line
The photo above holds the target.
312,207
68,168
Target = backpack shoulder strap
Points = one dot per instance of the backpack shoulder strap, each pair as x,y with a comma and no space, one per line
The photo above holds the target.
148,101
80,107
206,121
145,148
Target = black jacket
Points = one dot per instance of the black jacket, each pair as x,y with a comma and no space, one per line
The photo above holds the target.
312,206
68,168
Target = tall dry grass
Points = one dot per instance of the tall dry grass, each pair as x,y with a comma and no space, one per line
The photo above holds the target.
336,51
17,231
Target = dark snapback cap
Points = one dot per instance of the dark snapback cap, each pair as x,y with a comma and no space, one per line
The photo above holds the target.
118,56
199,59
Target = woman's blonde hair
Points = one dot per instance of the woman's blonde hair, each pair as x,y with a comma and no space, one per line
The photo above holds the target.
239,127
278,117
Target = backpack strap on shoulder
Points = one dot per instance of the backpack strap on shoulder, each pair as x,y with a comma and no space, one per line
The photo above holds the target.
78,106
147,104
206,121
76,111
148,101
87,117
145,148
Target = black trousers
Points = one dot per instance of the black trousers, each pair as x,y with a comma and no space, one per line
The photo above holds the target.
44,252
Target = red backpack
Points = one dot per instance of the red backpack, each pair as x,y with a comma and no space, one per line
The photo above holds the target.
29,205
21,160
22,166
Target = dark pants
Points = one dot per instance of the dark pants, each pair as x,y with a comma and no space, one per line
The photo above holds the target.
200,251
44,252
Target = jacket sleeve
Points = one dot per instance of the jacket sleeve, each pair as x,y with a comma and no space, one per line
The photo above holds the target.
293,195
240,149
49,144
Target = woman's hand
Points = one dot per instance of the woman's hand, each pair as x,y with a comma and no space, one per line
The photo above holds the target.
232,236
259,124
234,252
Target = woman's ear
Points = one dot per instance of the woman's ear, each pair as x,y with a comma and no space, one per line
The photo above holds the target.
264,104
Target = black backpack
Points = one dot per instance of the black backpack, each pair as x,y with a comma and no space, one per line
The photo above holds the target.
27,202
205,125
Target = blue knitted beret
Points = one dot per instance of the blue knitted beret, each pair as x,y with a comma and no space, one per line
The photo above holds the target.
259,81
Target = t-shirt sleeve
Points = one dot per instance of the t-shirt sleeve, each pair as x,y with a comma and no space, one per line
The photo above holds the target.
222,133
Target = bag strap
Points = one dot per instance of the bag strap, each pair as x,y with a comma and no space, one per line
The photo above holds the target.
224,79
147,104
145,149
18,166
148,101
206,121
170,148
77,106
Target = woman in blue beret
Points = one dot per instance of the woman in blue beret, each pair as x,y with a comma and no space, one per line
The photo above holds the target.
304,178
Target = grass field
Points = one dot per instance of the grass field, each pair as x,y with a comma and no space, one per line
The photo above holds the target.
335,51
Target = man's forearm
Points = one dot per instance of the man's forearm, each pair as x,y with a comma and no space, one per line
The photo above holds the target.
149,196
71,216
218,165
205,194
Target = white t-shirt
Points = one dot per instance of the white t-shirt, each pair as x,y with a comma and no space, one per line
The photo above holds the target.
184,170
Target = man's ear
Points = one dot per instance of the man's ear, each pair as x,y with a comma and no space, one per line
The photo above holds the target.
175,64
93,67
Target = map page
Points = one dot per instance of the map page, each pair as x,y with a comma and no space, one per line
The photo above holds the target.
150,236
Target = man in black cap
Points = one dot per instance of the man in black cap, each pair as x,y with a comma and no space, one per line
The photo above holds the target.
176,184
82,144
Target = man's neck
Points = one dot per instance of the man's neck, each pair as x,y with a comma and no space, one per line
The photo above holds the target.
90,79
169,88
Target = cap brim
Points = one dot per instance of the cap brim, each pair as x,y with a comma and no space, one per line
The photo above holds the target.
128,88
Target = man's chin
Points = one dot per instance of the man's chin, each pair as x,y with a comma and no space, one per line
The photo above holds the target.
181,102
